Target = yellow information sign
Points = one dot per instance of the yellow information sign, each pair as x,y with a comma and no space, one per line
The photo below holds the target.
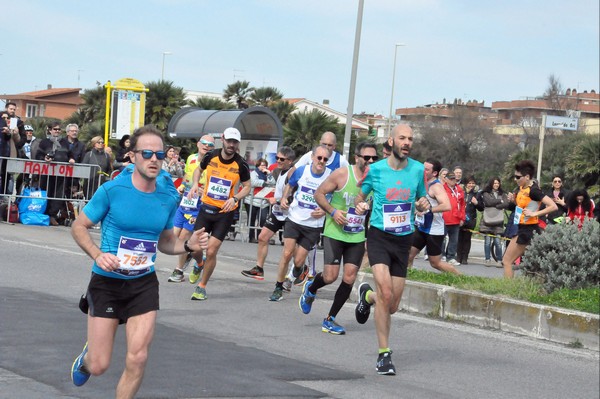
125,107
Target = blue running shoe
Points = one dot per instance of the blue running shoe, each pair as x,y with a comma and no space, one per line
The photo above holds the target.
330,326
306,299
79,374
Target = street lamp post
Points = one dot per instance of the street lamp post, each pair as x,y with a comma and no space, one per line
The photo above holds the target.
162,74
393,81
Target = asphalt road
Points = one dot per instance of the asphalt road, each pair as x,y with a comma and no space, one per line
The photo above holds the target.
237,344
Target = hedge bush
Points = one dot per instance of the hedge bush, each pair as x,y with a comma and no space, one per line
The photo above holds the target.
565,257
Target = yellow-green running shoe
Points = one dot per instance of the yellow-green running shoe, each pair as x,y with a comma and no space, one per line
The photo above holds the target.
199,294
195,274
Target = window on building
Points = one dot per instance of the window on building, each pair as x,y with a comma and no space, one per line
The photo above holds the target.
31,110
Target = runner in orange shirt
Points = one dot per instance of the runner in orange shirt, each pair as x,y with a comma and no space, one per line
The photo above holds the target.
225,170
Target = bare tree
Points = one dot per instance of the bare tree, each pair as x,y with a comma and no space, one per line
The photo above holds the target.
466,141
553,93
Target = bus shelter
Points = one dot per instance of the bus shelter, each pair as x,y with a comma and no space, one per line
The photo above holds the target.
262,132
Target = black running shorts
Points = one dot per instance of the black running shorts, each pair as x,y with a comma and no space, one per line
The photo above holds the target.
390,250
274,224
334,251
115,298
215,223
433,243
525,233
306,237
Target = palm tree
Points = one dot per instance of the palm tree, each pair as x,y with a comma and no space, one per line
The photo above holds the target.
238,91
211,103
77,117
265,96
303,130
93,107
283,110
163,100
90,130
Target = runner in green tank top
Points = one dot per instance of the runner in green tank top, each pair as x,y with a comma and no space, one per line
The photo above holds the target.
344,235
352,230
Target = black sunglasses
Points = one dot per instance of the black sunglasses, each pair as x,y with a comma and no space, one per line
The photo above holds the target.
369,157
324,159
517,177
281,159
147,154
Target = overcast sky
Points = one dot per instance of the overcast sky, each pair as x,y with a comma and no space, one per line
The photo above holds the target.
484,50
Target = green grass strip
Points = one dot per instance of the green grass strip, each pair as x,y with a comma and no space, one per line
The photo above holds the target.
521,288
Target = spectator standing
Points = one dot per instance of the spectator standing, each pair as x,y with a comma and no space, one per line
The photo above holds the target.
26,152
171,164
31,142
71,141
51,149
495,201
558,194
77,149
454,218
443,174
458,172
465,234
580,207
257,208
97,156
11,141
124,154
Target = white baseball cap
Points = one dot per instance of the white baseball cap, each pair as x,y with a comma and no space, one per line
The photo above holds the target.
232,133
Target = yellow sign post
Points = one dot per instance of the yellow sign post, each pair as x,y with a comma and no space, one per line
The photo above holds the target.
125,107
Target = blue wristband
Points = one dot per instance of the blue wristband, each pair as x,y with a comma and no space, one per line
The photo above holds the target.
333,212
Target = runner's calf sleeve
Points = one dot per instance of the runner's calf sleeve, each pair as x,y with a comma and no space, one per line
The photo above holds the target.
341,296
317,283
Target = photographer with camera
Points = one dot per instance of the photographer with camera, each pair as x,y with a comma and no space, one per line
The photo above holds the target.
12,138
51,149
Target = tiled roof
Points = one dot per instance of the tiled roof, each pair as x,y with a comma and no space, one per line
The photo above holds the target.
47,92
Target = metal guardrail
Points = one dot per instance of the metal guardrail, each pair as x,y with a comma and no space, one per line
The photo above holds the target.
66,182
63,182
243,226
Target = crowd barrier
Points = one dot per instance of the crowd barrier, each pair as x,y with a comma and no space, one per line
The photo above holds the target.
244,225
74,184
68,186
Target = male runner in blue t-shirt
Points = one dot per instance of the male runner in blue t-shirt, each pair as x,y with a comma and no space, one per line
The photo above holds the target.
136,211
398,187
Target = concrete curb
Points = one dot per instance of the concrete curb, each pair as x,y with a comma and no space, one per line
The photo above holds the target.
537,321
